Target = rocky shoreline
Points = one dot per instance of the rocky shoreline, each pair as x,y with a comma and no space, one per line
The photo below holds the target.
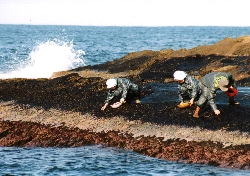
64,111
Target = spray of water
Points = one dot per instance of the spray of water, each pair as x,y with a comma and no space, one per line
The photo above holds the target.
47,58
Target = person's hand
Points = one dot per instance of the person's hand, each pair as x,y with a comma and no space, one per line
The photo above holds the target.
104,107
122,100
191,101
217,112
116,105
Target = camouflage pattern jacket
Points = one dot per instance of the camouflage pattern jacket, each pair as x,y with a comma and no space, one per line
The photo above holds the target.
209,81
189,88
123,86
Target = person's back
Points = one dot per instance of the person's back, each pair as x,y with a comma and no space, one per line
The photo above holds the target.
189,87
209,80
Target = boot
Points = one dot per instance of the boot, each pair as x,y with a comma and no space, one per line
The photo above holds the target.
196,113
231,101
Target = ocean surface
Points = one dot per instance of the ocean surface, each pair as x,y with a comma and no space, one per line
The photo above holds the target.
95,160
38,51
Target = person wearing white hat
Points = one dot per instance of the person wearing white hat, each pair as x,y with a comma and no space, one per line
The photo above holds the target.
120,88
188,89
209,84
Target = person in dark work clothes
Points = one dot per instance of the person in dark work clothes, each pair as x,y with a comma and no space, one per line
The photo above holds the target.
188,89
209,84
120,88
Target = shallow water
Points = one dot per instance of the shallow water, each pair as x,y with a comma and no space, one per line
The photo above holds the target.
167,92
95,160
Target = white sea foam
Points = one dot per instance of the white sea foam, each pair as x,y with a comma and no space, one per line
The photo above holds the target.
46,58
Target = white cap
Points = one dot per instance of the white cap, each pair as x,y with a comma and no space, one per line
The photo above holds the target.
111,83
179,75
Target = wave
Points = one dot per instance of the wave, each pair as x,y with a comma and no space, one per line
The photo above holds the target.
47,58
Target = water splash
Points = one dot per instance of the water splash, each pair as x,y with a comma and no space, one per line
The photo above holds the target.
47,58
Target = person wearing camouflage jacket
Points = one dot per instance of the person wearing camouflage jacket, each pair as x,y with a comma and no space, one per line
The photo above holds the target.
209,84
121,88
188,89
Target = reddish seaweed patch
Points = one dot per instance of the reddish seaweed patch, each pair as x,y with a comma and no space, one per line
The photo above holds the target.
26,134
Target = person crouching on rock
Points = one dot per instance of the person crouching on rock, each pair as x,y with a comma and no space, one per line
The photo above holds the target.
209,84
188,89
121,88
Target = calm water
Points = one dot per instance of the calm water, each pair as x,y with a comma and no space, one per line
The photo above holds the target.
38,51
93,160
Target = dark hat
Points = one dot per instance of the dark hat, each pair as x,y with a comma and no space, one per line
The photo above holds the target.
223,84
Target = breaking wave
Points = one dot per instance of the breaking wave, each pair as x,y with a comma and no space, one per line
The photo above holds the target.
47,58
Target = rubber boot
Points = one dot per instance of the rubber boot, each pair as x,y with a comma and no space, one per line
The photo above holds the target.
231,101
196,113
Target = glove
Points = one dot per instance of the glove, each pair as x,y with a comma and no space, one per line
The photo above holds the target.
217,112
184,105
122,100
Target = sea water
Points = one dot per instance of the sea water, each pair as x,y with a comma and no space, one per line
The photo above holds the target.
95,160
38,51
28,51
